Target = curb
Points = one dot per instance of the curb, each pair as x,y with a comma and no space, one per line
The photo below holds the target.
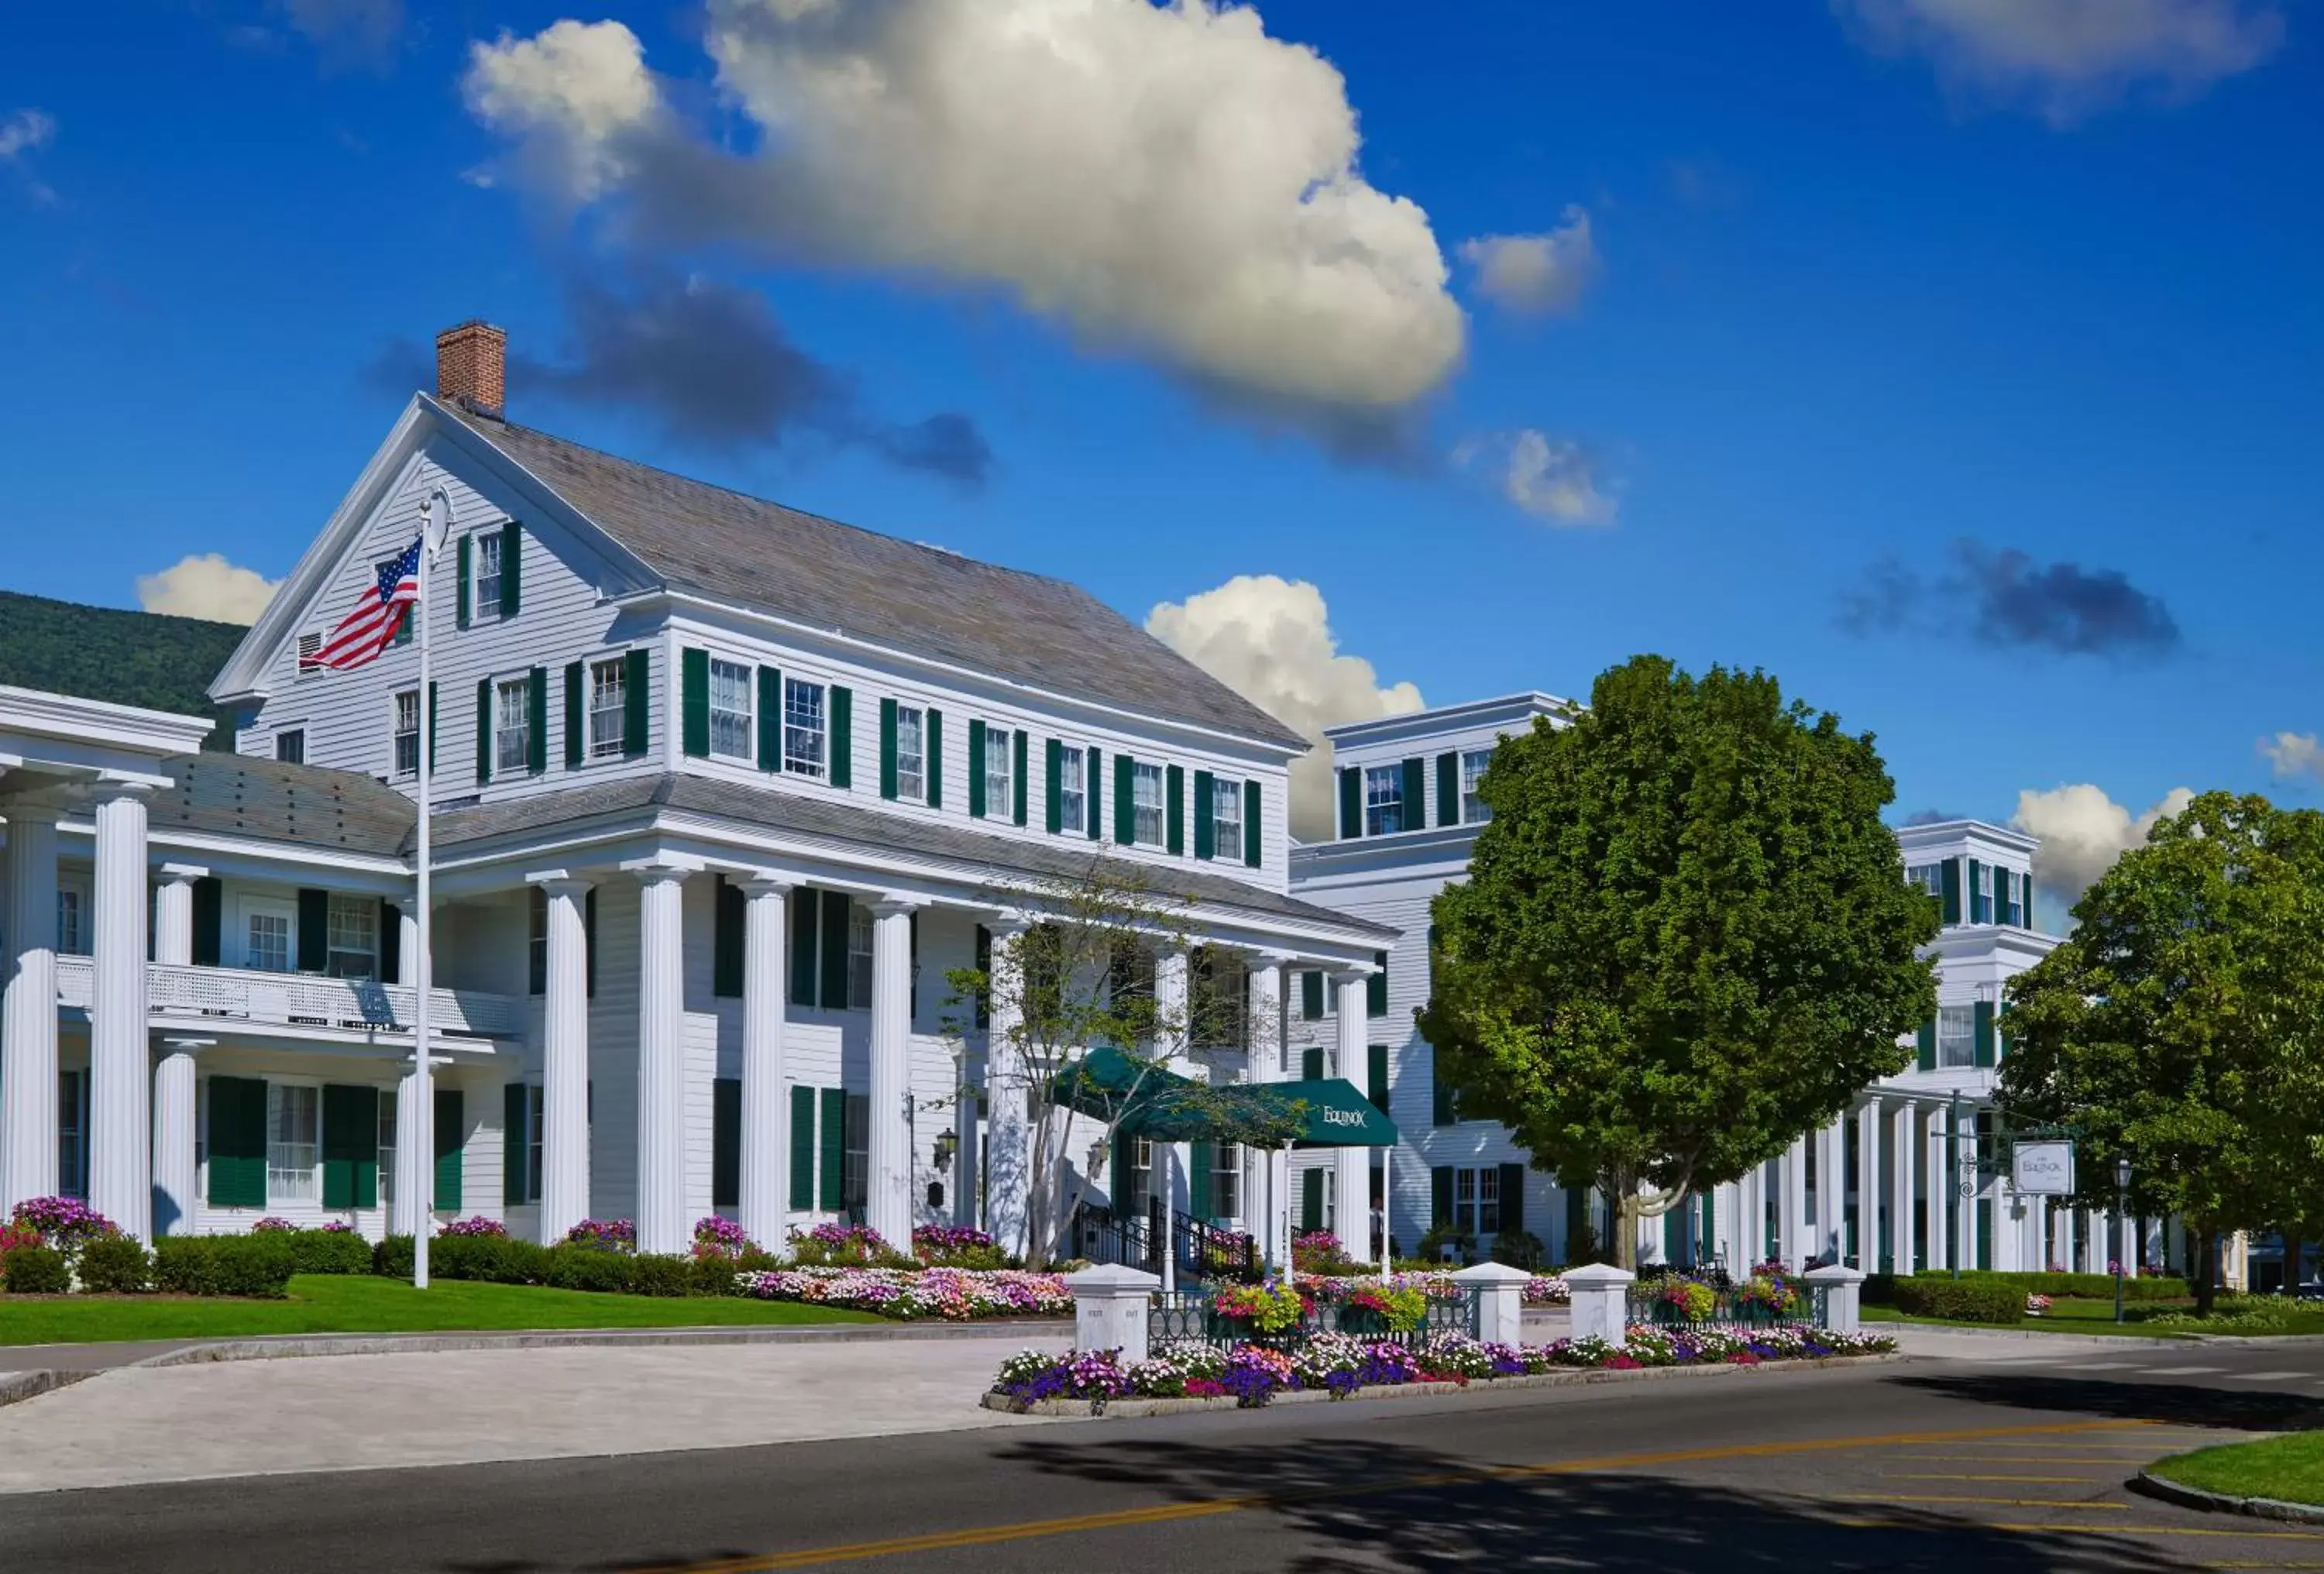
2151,1485
1091,1409
15,1387
299,1346
1948,1329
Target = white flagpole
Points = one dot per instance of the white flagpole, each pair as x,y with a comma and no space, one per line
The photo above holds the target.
422,1209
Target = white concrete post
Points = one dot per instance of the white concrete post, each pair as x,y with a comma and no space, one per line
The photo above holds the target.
1353,1204
176,1175
1867,1186
28,1010
1904,1234
1600,1294
1008,1154
661,1222
1500,1300
414,1208
1940,1194
565,1057
888,1203
120,1081
173,914
1266,1066
1794,1249
1831,1188
1111,1303
1173,1045
764,1209
1842,1287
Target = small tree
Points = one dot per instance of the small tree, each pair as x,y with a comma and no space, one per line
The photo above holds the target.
1686,937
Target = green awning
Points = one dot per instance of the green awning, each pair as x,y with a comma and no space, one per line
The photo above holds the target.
1331,1112
1162,1106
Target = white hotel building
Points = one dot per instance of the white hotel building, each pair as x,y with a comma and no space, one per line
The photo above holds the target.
721,791
1894,1184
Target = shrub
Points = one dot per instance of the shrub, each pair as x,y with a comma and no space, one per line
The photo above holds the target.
716,1275
271,1225
116,1264
258,1265
328,1251
943,1246
12,1236
582,1267
716,1237
496,1259
35,1270
1432,1245
64,1223
659,1274
476,1225
1520,1248
1995,1301
845,1246
604,1235
392,1257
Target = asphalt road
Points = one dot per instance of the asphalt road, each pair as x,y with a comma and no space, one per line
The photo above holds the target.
2002,1466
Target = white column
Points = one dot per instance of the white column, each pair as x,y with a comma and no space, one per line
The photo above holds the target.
1354,1164
565,1057
414,1210
888,1203
121,1069
764,1209
1794,1249
661,1222
1266,1066
173,914
1868,1187
28,1010
1903,1164
1172,1042
1941,1193
176,1177
1751,1226
1831,1188
1008,1142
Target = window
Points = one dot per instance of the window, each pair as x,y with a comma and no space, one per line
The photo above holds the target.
1474,762
911,756
803,727
72,918
1955,1035
1141,1177
1929,877
290,746
1980,893
72,1133
859,954
1226,819
1477,1200
353,938
294,1123
1226,1180
730,709
1383,800
608,708
266,940
998,763
511,725
855,1164
1146,801
387,1150
1073,807
535,1107
404,725
487,597
2008,897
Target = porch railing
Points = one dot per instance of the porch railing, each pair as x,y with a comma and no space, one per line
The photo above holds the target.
299,1000
1201,1251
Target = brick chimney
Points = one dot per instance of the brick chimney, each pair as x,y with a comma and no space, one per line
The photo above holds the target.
471,366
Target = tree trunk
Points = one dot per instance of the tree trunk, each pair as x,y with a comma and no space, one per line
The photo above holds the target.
2292,1247
2205,1270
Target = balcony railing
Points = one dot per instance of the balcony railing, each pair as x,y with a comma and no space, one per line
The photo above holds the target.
227,994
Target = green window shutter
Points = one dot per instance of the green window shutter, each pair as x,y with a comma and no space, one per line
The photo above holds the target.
1310,1064
1927,1058
771,718
1053,765
726,941
1198,1180
1311,995
576,725
1125,800
1951,880
887,748
484,730
209,920
1414,812
1351,803
835,914
833,1180
1206,831
1376,987
1448,788
536,720
237,1141
511,568
806,930
1513,1178
451,1149
1117,1184
975,769
1311,1199
2029,902
1440,1197
1985,1033
390,942
460,606
694,702
314,931
932,755
1376,1077
1250,824
350,1148
1093,768
842,742
1173,809
725,1141
2000,1032
1019,786
637,702
1976,870
431,726
802,1147
513,1144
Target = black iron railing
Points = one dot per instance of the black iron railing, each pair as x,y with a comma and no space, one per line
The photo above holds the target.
1202,1252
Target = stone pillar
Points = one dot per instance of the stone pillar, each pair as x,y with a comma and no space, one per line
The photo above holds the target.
888,1203
176,1174
1111,1303
1353,1166
661,1222
414,1210
564,1058
1795,1250
1841,1288
173,914
764,1211
1903,1236
1008,1142
28,1008
1868,1187
1500,1301
1599,1295
121,1067
1266,1066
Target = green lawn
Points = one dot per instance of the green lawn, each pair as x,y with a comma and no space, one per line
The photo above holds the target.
2060,1321
2290,1469
360,1304
2247,1317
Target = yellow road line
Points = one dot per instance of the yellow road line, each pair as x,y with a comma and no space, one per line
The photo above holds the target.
2017,1460
1965,1476
1205,1508
1949,1497
2155,1530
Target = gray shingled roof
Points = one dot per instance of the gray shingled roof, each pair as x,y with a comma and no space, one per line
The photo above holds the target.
921,600
234,795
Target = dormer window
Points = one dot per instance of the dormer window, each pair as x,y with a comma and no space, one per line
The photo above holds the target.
803,728
730,709
1473,761
1980,892
911,755
609,696
1928,876
1383,800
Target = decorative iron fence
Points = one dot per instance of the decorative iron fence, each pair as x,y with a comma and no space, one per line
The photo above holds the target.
1189,1314
1652,1302
1203,1253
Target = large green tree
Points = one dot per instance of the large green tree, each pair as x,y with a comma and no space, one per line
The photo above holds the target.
2177,1027
1686,937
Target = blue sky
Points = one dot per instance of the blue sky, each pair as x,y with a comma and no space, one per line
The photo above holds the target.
1864,281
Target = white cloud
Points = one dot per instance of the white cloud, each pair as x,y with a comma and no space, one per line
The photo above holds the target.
2082,832
1270,641
25,130
2069,57
1538,273
1166,179
1553,479
2293,754
207,586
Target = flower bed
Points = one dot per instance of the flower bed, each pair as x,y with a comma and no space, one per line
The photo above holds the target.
1547,1290
1340,1365
947,1294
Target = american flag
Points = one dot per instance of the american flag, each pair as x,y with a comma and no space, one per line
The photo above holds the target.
366,631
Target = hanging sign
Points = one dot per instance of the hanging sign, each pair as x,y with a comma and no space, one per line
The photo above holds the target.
2044,1169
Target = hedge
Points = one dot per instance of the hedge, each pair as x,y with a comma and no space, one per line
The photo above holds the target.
256,1265
505,1260
1880,1289
328,1251
35,1270
1963,1300
116,1264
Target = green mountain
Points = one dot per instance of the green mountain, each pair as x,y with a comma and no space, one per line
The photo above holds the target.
103,653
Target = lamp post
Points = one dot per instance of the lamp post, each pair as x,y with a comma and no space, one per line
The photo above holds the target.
2121,1212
